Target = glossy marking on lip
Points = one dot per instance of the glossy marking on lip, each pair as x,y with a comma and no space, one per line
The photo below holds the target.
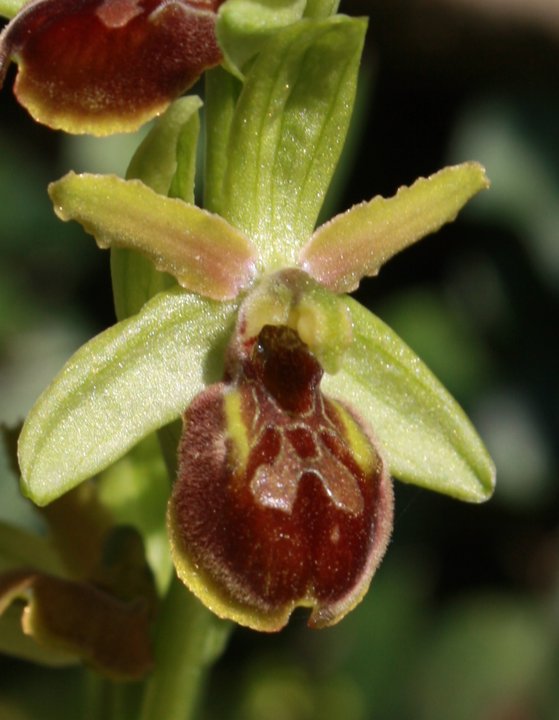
118,13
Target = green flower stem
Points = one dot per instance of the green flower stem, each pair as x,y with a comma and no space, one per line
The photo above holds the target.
189,638
95,690
108,700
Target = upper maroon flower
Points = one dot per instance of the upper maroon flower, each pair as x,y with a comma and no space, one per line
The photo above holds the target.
105,66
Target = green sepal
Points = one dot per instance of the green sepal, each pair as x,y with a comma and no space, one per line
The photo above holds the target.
321,8
245,26
128,381
427,438
158,158
10,8
200,249
165,161
355,244
271,189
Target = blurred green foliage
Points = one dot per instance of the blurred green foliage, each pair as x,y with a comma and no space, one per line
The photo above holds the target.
461,622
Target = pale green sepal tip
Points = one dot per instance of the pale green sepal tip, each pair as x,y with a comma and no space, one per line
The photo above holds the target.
10,8
244,26
126,382
355,244
427,438
270,189
321,8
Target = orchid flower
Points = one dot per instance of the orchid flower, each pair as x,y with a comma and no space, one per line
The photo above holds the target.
82,592
106,66
298,404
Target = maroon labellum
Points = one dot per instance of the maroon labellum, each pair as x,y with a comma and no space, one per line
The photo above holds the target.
105,66
282,498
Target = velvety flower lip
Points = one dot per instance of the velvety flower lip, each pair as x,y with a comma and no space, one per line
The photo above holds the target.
105,66
282,497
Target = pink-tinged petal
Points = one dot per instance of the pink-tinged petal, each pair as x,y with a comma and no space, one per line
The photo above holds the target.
200,249
357,243
106,66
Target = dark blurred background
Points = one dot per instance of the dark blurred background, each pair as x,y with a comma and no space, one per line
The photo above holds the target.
462,620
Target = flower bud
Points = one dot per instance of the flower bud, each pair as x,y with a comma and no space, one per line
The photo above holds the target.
282,498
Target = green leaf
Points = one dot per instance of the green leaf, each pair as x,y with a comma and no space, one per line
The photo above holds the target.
165,161
427,438
287,133
78,524
245,26
200,249
132,379
358,242
182,185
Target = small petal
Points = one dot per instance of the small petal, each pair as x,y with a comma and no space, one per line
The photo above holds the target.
282,499
201,250
357,243
106,66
